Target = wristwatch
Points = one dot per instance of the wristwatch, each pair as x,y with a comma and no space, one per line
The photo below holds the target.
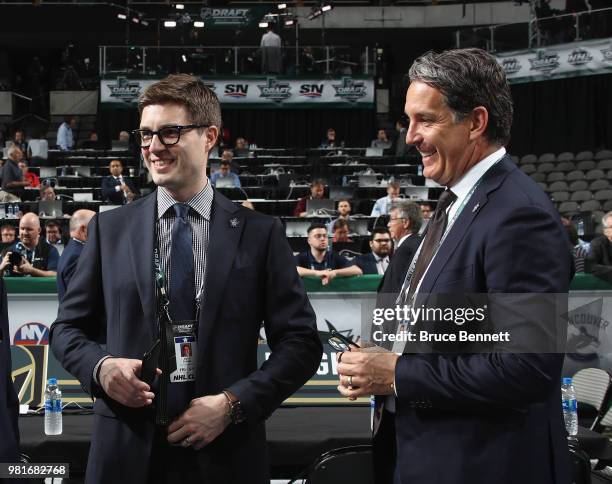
235,410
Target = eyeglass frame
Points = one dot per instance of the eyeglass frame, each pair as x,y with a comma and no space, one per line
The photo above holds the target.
137,133
334,334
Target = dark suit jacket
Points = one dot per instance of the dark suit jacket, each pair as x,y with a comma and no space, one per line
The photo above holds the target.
110,194
489,417
367,263
599,260
250,278
9,404
396,272
67,265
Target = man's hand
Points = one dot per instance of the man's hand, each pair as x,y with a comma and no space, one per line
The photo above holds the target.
201,423
326,276
119,379
372,372
24,268
5,262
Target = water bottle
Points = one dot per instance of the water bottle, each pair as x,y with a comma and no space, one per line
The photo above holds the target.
9,212
580,228
570,408
420,170
53,408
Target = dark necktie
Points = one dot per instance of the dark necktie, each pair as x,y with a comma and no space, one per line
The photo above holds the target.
435,231
182,298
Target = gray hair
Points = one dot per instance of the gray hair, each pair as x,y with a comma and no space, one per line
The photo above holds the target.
468,78
13,149
606,217
409,211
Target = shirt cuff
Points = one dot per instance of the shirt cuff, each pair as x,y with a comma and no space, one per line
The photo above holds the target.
117,188
97,369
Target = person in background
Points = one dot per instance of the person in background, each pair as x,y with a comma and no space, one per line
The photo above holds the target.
20,142
341,231
383,205
225,172
579,254
117,189
47,193
241,148
38,150
426,213
344,213
319,261
7,234
92,143
330,140
271,58
124,136
12,176
381,141
599,260
377,261
65,134
69,258
53,232
28,176
401,126
228,155
586,246
317,192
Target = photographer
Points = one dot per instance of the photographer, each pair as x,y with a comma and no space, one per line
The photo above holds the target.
31,255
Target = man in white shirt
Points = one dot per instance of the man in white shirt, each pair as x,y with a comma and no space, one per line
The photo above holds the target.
270,51
383,205
65,134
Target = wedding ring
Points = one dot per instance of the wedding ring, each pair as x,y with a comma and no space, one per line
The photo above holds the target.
188,440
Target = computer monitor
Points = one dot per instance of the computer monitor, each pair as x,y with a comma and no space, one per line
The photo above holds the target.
368,181
117,145
225,182
317,206
374,151
84,171
341,193
48,172
83,197
416,193
297,228
50,208
358,226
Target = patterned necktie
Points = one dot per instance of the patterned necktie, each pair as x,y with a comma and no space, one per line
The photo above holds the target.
435,231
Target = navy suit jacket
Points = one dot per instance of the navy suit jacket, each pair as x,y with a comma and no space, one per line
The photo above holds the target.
67,266
110,194
367,263
489,417
250,279
9,404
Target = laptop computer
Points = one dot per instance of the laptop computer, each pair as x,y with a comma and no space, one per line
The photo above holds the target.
368,181
358,226
50,208
297,228
83,197
48,172
374,151
285,179
82,171
225,182
417,193
341,193
316,206
117,145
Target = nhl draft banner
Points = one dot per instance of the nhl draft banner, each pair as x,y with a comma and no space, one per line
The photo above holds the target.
558,61
271,92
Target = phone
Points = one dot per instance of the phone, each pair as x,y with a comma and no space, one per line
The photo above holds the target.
340,342
148,371
15,259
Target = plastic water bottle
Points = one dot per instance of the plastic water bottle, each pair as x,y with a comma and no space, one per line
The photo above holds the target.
9,212
580,228
53,408
570,408
2,210
420,170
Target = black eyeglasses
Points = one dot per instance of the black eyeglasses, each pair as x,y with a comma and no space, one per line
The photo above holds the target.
339,342
168,135
382,241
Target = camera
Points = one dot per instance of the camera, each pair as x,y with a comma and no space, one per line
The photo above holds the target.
17,254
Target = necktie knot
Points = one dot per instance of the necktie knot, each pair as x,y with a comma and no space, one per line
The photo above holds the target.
181,210
446,199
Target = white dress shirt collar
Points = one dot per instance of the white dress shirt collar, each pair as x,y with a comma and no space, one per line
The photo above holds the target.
401,241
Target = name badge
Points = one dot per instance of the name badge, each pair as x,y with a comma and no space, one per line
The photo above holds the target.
185,351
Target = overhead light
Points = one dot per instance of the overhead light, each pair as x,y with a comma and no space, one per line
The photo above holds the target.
198,24
289,22
316,12
136,20
281,6
184,57
263,25
144,22
169,24
179,6
326,8
122,16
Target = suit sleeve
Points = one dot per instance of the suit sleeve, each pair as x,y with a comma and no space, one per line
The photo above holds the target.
291,330
526,253
108,188
596,261
78,323
9,448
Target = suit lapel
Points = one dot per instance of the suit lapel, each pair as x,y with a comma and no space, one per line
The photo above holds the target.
142,238
226,228
491,180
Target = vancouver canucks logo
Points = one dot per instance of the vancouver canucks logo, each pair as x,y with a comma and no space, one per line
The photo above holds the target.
275,90
350,89
124,89
545,62
579,57
511,65
586,329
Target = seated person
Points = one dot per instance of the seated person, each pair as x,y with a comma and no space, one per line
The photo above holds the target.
377,261
115,188
321,262
383,205
13,182
20,142
341,231
47,193
227,155
344,213
93,143
241,148
599,259
317,192
53,233
7,236
381,140
225,172
32,255
330,140
31,178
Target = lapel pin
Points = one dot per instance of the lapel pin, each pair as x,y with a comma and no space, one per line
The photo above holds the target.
476,207
234,223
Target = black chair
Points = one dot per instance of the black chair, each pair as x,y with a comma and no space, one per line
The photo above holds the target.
580,465
346,464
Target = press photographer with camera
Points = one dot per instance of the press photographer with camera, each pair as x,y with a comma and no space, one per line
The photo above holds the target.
31,254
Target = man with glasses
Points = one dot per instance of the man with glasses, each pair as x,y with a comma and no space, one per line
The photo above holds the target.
184,265
322,262
377,261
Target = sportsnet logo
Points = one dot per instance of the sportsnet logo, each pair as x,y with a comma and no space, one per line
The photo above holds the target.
124,89
579,57
511,65
32,334
236,91
311,90
544,62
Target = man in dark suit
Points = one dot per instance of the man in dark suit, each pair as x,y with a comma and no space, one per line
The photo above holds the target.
470,412
220,270
377,261
9,404
117,189
70,256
